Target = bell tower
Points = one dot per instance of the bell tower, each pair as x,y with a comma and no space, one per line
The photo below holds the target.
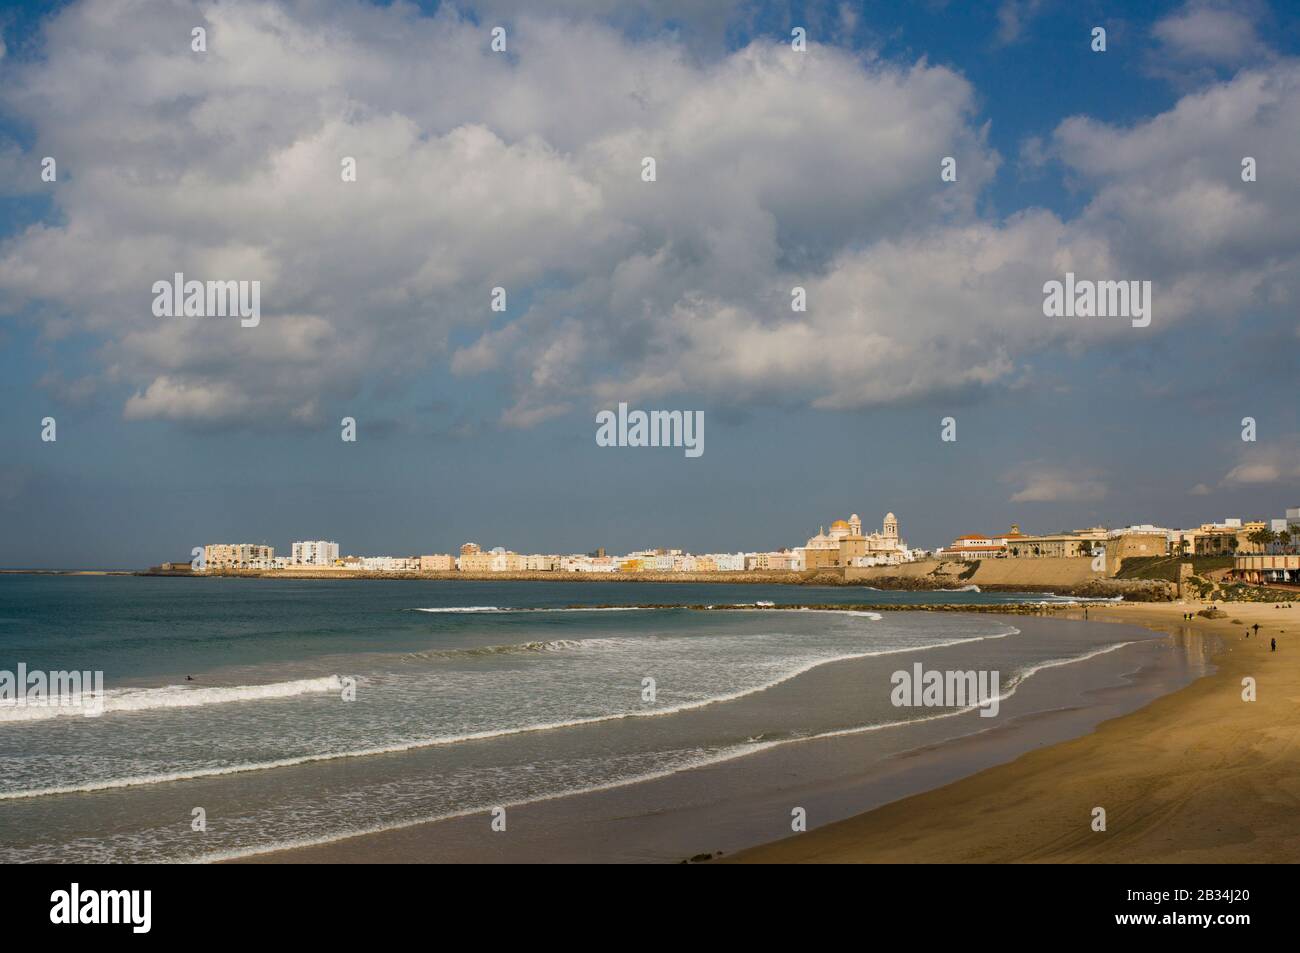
891,526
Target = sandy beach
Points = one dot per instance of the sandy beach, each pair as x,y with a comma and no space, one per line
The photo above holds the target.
1198,776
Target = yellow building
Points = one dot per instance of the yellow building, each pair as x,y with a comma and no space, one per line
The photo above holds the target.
237,556
474,561
1212,540
1060,545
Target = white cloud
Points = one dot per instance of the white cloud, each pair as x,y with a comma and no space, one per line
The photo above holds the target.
169,399
475,170
1013,16
1210,32
1046,484
1266,464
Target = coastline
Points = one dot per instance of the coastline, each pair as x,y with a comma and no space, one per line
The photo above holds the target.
1071,577
1061,576
1196,776
734,805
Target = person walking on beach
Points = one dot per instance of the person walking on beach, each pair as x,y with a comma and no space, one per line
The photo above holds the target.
1273,645
1256,628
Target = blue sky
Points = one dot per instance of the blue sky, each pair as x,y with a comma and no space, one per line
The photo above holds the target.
479,170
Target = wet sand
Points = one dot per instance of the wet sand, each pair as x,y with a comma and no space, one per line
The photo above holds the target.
1198,776
725,807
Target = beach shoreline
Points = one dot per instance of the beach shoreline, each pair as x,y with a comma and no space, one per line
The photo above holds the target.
1197,776
681,816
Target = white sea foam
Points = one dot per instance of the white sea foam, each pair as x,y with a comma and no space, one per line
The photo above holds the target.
726,754
413,744
603,609
121,700
438,610
552,645
463,609
1052,598
752,746
860,613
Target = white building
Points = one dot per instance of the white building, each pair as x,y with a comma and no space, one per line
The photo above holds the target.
315,552
390,563
1143,529
505,561
729,562
588,564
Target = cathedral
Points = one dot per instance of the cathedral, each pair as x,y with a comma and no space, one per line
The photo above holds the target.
845,545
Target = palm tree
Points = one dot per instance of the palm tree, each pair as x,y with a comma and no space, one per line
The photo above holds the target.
1261,537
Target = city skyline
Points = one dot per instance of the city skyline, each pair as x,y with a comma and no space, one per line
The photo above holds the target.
847,543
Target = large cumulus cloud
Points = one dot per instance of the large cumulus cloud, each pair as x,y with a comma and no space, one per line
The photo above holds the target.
477,169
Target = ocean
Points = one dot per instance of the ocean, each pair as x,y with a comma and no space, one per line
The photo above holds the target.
468,696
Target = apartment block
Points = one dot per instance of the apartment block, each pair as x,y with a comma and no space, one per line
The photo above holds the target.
316,552
238,556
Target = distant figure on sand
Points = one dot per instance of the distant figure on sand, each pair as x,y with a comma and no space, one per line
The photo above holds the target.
1272,645
1256,628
